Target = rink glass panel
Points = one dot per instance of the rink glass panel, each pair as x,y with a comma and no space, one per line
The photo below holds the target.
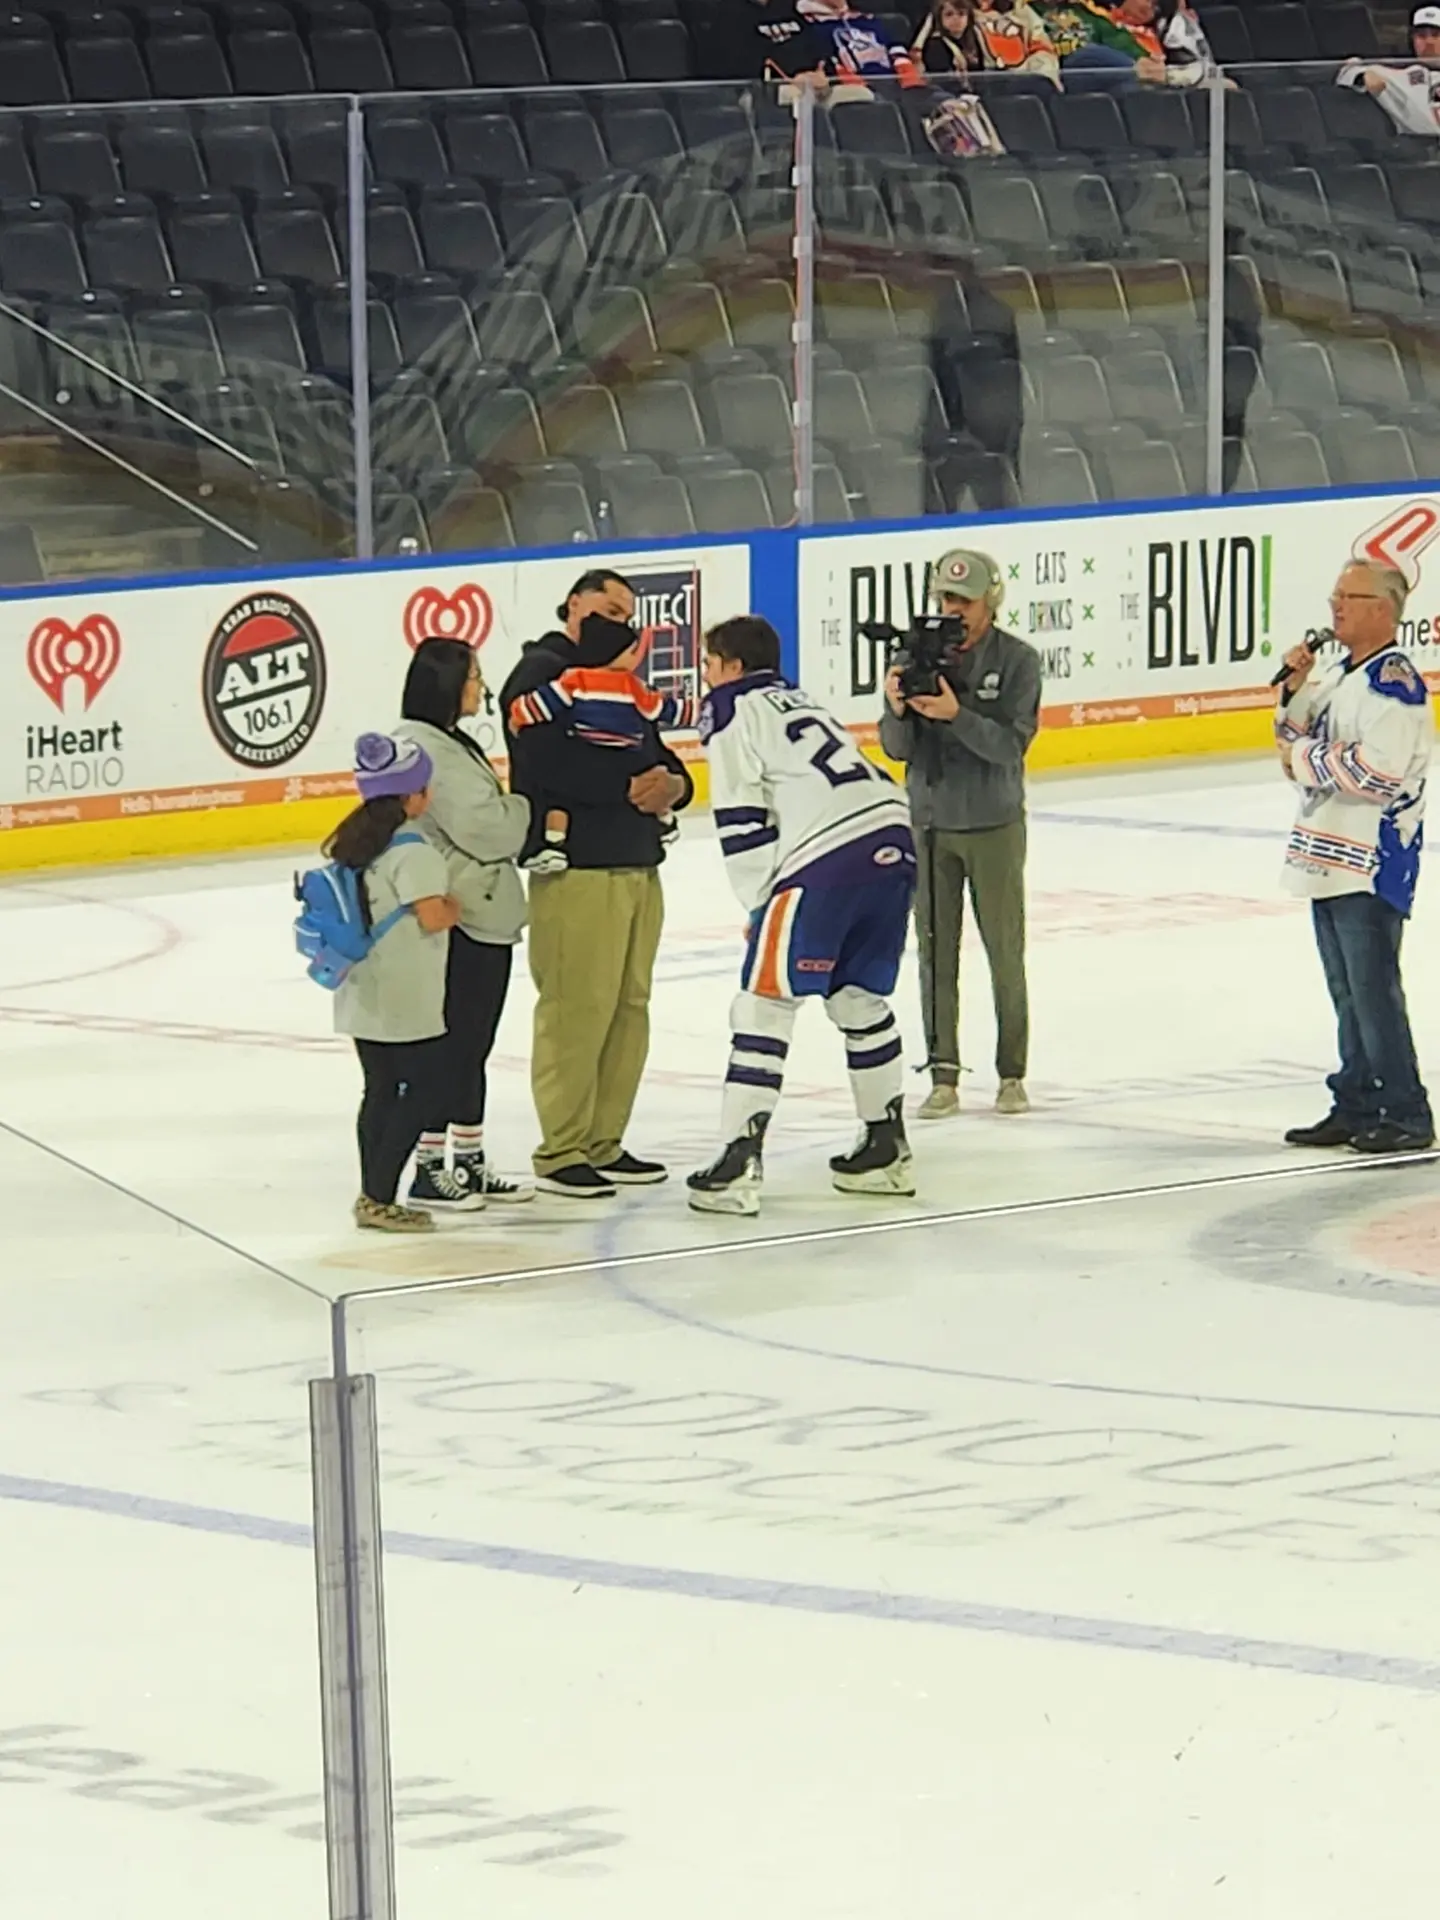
160,1738
1332,229
174,339
600,345
788,1562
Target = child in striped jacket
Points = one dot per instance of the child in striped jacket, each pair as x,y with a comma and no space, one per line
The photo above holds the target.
608,705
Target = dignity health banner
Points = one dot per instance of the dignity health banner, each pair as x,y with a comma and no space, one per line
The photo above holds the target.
177,699
1165,615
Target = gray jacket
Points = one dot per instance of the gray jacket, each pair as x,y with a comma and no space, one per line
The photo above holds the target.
480,829
967,774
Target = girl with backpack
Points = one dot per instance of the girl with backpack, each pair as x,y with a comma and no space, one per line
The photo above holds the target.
480,830
392,1002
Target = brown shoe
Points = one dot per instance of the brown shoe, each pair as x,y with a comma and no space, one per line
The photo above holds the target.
391,1219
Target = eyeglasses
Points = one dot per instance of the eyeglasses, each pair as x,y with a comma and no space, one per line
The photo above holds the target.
1339,599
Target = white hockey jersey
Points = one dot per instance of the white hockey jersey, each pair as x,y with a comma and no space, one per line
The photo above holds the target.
1410,95
1360,739
795,801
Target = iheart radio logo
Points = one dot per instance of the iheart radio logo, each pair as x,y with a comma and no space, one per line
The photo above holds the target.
464,615
59,653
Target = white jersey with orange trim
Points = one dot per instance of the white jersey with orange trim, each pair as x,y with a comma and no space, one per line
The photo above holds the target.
1360,740
795,801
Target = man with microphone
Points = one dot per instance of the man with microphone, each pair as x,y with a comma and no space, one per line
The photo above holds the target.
1354,737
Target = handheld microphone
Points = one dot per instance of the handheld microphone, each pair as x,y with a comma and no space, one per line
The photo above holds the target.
1323,638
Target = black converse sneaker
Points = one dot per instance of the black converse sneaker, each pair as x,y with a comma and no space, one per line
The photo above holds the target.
494,1185
443,1189
881,1162
731,1183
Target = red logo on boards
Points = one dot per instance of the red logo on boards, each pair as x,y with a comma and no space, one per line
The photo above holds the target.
88,652
464,615
1400,538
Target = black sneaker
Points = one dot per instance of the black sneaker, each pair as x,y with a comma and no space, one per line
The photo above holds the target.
731,1183
626,1171
494,1185
576,1183
881,1162
1332,1131
446,1190
1390,1138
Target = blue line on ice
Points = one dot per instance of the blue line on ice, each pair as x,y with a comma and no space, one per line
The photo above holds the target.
854,1603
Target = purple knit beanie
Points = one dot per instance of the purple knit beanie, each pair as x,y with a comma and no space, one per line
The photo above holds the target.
384,766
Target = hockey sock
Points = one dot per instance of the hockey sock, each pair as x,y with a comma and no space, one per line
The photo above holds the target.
431,1150
872,1049
759,1042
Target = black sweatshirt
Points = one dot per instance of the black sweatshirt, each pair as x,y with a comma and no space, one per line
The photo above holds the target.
591,783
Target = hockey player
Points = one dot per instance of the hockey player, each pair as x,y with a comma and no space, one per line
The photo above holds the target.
817,845
1355,738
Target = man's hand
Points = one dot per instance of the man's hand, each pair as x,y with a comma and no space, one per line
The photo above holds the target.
656,791
937,706
1299,660
893,695
1149,68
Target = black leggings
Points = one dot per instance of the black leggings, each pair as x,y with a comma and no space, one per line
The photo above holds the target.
405,1086
477,979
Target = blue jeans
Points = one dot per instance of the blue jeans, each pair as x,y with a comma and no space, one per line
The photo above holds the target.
1095,69
1379,1079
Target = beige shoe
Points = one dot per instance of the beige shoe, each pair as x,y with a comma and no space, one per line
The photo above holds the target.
941,1101
391,1219
1012,1097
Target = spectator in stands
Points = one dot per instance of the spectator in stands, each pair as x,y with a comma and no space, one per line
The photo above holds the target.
1188,59
837,44
1008,36
1105,47
1409,94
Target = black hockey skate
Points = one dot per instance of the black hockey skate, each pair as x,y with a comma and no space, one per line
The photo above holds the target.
881,1163
731,1183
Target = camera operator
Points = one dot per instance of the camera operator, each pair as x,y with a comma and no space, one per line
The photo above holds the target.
964,746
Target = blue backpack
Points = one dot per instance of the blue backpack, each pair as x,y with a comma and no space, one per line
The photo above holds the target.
330,929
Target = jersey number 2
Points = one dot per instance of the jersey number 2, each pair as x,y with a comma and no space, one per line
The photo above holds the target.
832,748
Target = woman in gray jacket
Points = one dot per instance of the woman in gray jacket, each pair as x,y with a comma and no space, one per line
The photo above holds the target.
480,829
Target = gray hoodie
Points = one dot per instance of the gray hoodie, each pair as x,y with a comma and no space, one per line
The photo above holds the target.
480,829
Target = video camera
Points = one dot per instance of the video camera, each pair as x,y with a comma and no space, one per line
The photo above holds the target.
920,652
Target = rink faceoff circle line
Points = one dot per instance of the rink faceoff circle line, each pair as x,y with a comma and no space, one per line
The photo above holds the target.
165,938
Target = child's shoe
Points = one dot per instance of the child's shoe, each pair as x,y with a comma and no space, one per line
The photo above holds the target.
549,859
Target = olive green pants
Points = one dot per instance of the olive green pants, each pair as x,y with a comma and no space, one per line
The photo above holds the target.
991,864
593,939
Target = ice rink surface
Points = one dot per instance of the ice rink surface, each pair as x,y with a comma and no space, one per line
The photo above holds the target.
1066,1565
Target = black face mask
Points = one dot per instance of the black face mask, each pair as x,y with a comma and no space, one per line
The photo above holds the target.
601,641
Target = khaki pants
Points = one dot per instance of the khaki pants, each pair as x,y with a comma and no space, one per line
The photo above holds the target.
992,865
593,938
